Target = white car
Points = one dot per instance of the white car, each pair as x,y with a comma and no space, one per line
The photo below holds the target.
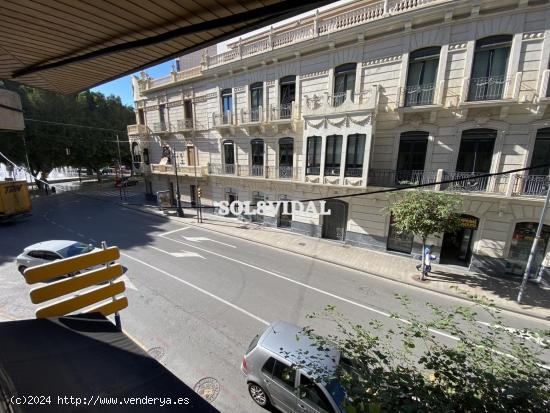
48,251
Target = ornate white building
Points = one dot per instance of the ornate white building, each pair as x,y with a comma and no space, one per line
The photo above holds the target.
369,95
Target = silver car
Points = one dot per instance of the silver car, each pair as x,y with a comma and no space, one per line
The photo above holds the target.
272,378
47,251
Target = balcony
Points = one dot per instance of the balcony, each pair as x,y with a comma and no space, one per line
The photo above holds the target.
428,94
184,125
473,182
283,172
160,127
255,171
340,103
137,130
223,120
187,170
281,113
253,116
531,185
219,169
310,28
392,178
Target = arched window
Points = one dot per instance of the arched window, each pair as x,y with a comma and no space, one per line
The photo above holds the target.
421,76
286,154
488,78
256,100
227,105
287,95
344,81
476,150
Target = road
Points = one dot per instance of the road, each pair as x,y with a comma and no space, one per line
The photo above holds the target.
198,297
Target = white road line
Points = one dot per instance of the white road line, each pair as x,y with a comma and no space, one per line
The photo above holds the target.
242,310
180,254
171,232
365,307
199,239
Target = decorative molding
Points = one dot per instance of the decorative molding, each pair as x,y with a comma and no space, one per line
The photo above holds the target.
151,108
239,89
383,60
314,74
174,103
455,47
270,82
533,36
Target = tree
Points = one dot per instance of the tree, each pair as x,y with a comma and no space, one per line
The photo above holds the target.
409,369
426,213
69,130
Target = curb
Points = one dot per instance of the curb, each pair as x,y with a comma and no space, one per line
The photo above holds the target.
426,287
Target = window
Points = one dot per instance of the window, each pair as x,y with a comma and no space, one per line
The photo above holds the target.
355,154
257,151
228,153
75,249
146,156
313,162
141,117
188,113
35,254
267,368
286,153
421,76
489,69
284,374
256,100
412,151
399,241
520,248
227,105
312,394
476,150
287,95
541,152
49,256
333,155
162,110
344,80
135,152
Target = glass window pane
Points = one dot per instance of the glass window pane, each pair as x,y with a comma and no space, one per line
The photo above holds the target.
312,394
541,155
284,374
399,241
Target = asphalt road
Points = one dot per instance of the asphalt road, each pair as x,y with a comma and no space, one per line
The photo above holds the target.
198,297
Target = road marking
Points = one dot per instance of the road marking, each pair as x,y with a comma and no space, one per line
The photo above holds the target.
365,307
518,332
242,310
127,282
175,230
183,254
199,239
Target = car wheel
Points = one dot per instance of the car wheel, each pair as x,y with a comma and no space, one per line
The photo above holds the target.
258,395
22,269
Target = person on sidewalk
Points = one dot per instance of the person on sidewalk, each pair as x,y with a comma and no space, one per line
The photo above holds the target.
428,258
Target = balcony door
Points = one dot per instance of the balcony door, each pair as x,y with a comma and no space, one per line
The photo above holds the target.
313,159
287,96
286,154
191,156
334,225
333,155
188,112
162,118
412,156
355,153
229,157
489,69
344,81
541,153
227,105
257,157
476,151
256,100
421,76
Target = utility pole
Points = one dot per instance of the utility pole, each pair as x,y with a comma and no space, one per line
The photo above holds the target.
197,191
27,158
179,211
534,248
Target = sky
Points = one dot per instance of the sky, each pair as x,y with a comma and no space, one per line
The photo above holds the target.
123,86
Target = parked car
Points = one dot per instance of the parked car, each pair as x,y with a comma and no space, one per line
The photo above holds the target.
270,363
125,181
107,171
47,251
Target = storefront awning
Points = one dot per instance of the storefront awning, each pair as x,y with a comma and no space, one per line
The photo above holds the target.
71,45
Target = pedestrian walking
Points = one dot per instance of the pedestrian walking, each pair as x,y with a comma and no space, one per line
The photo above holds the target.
428,258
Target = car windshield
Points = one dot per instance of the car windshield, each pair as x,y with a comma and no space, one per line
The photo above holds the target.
75,249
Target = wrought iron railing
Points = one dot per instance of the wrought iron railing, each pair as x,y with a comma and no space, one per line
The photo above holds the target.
222,119
252,116
487,88
416,95
353,172
396,178
160,127
332,171
469,181
313,170
221,169
532,185
281,112
184,124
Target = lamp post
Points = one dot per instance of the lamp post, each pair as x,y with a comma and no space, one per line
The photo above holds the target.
179,210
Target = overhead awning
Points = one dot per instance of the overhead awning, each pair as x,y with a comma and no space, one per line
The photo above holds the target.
71,45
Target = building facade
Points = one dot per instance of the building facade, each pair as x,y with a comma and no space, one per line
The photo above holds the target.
370,95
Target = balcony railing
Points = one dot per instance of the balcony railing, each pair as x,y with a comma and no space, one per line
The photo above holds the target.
184,124
189,170
251,170
353,172
313,170
417,95
137,129
222,119
254,115
219,169
487,88
160,127
281,112
339,102
317,26
332,171
395,178
532,185
282,172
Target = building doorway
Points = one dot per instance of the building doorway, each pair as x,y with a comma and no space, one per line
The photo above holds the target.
191,156
284,220
334,225
457,246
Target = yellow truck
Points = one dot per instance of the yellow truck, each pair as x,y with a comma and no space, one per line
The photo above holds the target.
15,200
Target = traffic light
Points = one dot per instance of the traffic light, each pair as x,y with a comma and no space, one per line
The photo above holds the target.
199,192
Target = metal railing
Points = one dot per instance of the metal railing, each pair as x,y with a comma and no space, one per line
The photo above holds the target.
340,102
313,170
160,127
338,98
532,185
416,95
332,171
137,129
222,119
221,169
395,178
254,115
282,112
183,124
353,172
250,170
471,182
487,88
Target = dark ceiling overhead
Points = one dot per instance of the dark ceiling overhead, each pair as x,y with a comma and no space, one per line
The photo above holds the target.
71,45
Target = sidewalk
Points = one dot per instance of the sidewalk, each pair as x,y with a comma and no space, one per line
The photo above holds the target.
444,279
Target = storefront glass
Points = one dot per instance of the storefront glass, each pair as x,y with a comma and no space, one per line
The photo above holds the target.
399,241
522,241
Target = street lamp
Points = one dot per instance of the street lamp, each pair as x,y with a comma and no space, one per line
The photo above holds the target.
179,210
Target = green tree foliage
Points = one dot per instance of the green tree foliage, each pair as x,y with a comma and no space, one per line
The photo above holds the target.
412,368
75,136
426,213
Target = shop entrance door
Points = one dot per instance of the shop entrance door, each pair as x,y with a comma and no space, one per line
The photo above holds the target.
457,246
